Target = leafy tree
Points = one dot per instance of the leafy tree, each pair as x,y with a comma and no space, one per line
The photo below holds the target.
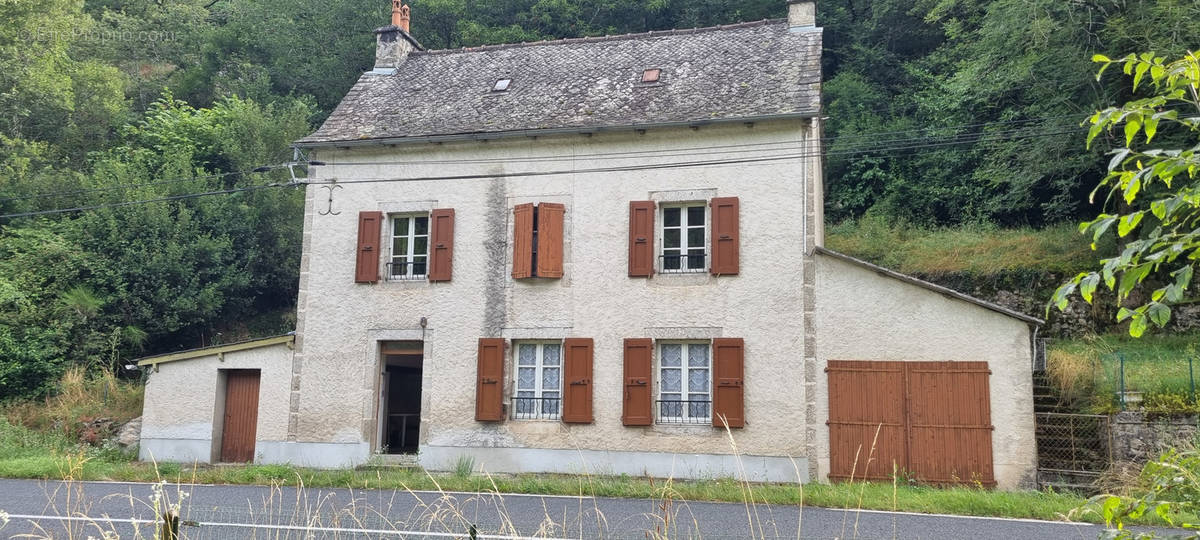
1152,193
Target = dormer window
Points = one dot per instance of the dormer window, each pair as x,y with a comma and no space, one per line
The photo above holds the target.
651,75
502,85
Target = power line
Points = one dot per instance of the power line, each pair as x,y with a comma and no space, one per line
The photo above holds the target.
865,146
657,166
966,139
144,201
135,186
741,149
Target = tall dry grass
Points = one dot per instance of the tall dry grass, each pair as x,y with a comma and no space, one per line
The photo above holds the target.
80,398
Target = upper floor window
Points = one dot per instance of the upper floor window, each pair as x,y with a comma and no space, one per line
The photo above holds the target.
685,237
684,383
539,381
410,248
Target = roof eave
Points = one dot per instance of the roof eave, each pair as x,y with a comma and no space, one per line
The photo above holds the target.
945,291
490,135
289,339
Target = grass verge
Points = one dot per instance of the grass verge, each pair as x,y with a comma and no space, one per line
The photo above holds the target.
27,454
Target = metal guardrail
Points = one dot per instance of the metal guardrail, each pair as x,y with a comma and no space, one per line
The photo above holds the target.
537,408
399,271
683,263
684,411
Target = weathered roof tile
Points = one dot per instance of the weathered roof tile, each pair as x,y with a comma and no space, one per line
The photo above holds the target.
749,70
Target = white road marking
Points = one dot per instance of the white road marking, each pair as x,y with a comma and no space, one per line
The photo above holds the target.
282,527
578,497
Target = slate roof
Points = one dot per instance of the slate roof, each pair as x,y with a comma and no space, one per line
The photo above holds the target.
737,72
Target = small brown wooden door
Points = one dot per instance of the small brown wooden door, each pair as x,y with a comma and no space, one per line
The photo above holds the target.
931,420
241,416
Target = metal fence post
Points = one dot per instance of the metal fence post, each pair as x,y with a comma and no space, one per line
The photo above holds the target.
170,526
1192,380
1121,358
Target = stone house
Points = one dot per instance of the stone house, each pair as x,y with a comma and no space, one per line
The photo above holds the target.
601,255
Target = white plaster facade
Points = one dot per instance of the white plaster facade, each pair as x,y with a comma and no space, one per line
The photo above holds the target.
863,315
185,399
341,323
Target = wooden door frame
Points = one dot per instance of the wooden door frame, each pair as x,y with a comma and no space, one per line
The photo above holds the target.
401,347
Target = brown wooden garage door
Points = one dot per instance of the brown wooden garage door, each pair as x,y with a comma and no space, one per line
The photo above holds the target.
241,416
931,419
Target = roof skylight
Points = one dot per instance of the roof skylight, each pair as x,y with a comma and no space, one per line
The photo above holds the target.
502,85
651,75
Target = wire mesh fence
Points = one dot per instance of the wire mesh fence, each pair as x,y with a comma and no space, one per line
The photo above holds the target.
1134,378
1073,449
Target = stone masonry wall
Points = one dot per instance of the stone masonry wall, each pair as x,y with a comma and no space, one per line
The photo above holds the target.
1138,438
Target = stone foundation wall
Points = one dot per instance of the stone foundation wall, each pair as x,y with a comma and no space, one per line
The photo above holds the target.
1138,438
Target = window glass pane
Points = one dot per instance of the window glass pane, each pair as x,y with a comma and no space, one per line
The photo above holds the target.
695,259
671,217
670,406
400,247
671,259
695,237
671,354
397,268
527,354
525,407
671,238
550,404
402,226
695,215
526,378
671,381
698,354
421,245
551,354
550,379
422,225
698,380
418,266
697,408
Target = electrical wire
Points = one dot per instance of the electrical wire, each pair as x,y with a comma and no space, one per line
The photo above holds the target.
145,201
899,145
117,187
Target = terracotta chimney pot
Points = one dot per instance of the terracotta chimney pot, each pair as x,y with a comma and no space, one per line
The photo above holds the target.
401,15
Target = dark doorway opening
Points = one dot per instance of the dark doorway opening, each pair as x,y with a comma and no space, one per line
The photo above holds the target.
400,403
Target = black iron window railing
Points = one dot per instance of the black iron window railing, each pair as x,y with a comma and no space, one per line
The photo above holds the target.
407,271
691,263
684,412
537,408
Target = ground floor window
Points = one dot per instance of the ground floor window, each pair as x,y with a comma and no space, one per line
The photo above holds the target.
539,381
684,383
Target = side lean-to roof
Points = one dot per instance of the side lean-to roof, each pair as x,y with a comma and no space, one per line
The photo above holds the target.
949,293
741,72
217,350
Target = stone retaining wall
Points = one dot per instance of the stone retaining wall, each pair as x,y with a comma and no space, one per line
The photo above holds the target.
1138,438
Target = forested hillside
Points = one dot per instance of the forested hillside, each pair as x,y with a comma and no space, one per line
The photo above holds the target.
941,112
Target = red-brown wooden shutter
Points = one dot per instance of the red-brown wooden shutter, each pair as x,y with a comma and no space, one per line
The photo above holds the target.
577,375
441,256
522,241
641,238
728,377
366,265
726,240
550,240
638,403
489,387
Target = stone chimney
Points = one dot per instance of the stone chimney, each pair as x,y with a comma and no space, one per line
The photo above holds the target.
393,43
802,14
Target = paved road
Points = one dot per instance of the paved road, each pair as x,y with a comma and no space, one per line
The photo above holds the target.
228,512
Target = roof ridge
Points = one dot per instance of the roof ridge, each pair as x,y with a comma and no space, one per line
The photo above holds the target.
597,39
